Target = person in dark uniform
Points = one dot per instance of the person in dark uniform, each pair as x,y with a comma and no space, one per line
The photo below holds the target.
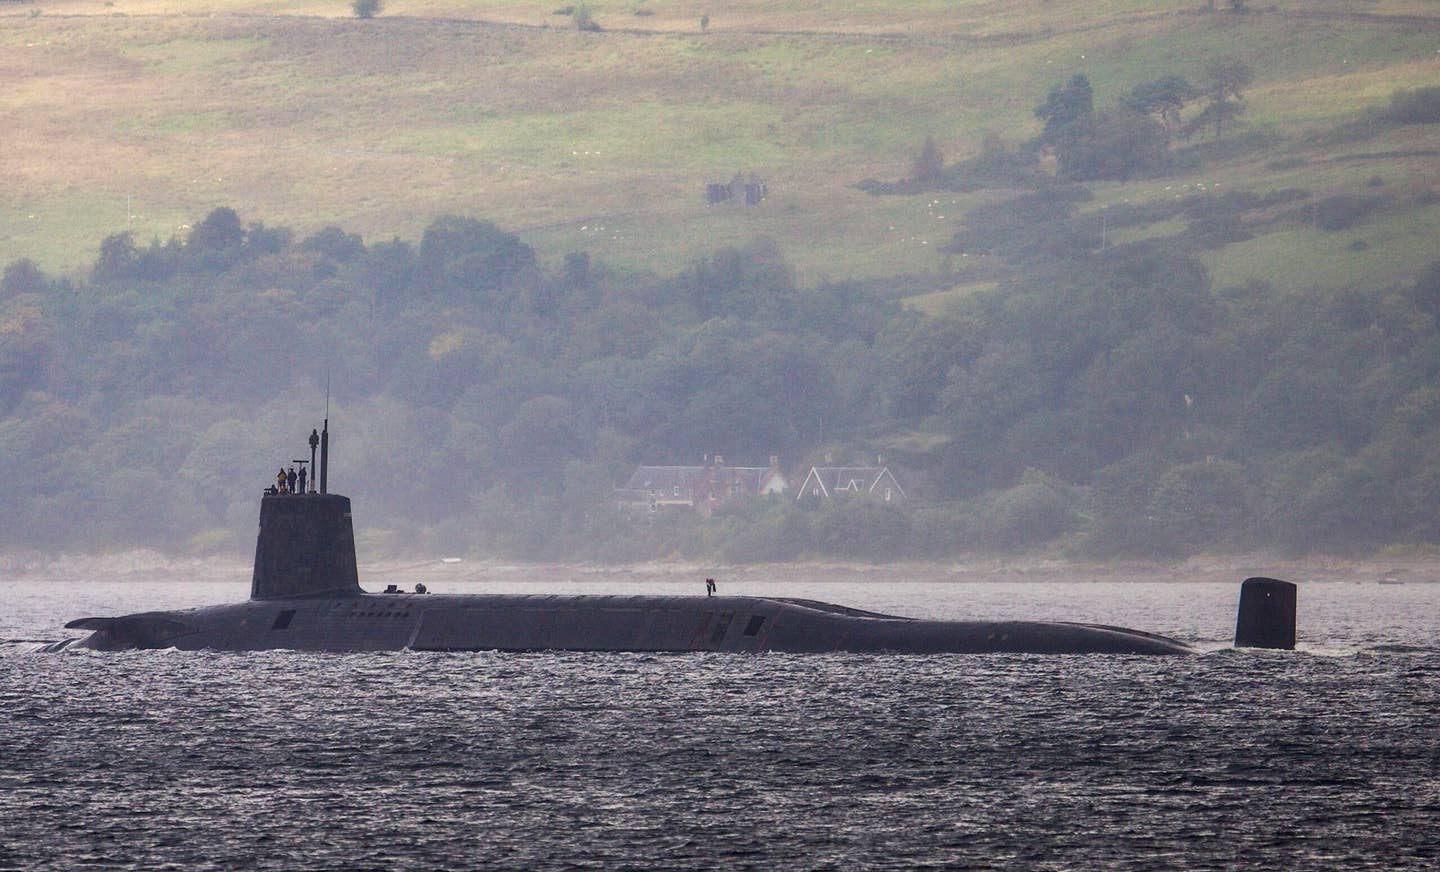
290,480
709,587
301,478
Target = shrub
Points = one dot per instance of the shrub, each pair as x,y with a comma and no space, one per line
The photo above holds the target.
928,164
366,8
1417,106
1343,211
22,277
584,20
1033,513
1286,163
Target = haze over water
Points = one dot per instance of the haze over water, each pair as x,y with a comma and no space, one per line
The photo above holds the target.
1322,758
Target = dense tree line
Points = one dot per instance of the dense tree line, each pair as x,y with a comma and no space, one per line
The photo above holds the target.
1110,402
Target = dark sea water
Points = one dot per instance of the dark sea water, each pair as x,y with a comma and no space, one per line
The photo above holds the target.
1324,758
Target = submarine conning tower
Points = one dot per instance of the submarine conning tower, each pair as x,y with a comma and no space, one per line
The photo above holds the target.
306,545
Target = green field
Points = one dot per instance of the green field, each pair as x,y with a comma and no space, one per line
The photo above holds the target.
131,115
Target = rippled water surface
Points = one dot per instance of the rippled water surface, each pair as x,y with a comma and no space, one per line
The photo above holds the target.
1324,758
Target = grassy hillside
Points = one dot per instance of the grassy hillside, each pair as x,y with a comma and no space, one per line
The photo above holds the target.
127,114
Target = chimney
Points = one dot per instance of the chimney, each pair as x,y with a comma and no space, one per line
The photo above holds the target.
879,460
829,459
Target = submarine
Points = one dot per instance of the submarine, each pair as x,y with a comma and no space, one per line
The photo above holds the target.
305,595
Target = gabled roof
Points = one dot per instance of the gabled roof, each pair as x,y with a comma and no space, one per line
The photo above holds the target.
852,479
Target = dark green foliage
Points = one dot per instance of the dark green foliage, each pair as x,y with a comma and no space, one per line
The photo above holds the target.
261,240
1286,163
1343,211
913,357
221,231
584,19
1225,82
118,258
928,166
366,8
1111,402
335,244
1415,106
22,277
469,259
1036,511
1114,144
1426,292
860,529
997,165
752,282
1162,98
1029,228
1065,105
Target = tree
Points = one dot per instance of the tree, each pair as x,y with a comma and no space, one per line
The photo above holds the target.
584,19
22,277
1225,81
1162,98
471,258
220,231
929,164
1065,104
260,239
335,244
118,257
367,8
1115,144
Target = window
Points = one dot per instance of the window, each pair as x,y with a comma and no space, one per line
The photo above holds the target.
283,619
756,622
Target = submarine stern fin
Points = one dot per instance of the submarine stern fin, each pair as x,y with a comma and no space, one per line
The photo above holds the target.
1267,614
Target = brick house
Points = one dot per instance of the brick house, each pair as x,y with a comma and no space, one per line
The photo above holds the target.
699,488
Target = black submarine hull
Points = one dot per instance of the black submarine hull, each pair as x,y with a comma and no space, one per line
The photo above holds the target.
416,622
305,595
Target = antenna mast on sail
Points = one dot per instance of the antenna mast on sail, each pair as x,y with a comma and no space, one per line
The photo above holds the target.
325,440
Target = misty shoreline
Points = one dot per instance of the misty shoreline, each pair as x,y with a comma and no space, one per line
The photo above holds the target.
151,566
